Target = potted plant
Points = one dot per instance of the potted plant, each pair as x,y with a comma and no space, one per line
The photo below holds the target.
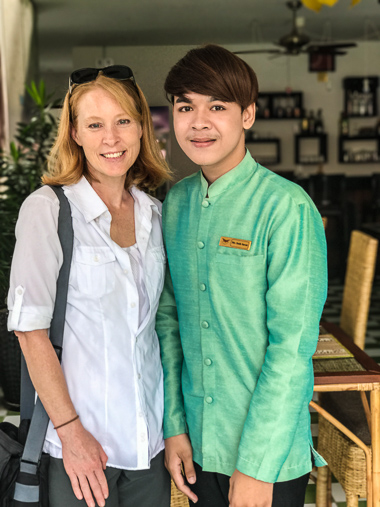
20,174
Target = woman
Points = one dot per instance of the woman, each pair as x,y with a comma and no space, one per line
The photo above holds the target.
106,401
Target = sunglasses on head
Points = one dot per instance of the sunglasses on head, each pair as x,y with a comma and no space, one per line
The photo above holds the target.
82,76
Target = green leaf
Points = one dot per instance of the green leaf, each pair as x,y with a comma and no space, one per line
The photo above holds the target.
14,151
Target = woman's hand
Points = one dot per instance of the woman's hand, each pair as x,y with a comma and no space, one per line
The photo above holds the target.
83,456
85,461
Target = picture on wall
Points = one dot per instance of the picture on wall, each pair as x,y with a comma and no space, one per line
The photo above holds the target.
161,124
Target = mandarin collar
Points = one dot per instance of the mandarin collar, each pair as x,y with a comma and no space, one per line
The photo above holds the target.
239,173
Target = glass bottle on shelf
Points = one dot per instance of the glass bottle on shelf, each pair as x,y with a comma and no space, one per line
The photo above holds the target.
355,104
305,122
289,107
319,124
349,104
370,105
362,104
343,124
311,122
297,111
280,109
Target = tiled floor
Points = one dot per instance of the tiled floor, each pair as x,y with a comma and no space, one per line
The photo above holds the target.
330,313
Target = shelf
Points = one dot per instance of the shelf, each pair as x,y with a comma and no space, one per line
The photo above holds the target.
360,138
360,96
279,106
265,158
318,157
364,156
361,116
316,135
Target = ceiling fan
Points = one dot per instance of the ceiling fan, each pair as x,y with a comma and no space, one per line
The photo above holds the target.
297,42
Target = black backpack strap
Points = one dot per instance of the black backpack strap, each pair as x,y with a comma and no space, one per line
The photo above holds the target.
25,492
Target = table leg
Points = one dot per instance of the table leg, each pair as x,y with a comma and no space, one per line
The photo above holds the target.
375,438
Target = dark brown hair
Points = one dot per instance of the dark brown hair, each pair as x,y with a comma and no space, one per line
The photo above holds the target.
216,72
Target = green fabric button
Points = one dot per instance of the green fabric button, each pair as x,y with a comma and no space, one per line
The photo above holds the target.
209,400
205,324
205,204
201,244
208,362
202,286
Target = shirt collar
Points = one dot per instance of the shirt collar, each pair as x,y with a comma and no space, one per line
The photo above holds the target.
84,197
144,200
239,173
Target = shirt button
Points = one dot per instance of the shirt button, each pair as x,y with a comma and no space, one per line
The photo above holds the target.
20,292
202,287
205,324
133,305
142,437
201,244
96,258
205,204
209,400
208,361
125,271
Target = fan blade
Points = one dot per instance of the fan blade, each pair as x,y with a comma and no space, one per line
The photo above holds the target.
252,51
327,48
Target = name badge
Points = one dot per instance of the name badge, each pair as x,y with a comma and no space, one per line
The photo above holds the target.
241,244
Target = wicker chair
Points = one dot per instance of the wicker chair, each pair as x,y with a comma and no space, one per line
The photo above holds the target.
343,435
178,499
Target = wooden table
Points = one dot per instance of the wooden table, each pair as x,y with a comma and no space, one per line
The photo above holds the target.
359,373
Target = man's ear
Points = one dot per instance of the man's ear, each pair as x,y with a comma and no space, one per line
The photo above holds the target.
75,136
249,116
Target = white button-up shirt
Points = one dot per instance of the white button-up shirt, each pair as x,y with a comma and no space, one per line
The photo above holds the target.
110,360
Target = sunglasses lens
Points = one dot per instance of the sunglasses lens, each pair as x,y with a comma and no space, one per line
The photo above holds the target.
118,72
82,76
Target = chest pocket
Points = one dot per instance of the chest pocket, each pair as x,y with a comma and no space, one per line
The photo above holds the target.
95,270
240,269
239,257
156,270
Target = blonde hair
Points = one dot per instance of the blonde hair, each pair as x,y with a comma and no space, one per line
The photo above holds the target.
67,162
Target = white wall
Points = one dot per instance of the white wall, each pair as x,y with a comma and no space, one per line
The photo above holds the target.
279,73
151,65
16,18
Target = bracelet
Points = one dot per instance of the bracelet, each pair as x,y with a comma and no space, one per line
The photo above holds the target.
68,422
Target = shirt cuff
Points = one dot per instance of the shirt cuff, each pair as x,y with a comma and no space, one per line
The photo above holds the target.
25,321
172,429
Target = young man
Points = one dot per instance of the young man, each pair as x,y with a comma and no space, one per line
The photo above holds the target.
239,316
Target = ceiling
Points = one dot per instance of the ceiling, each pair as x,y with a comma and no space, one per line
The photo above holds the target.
63,24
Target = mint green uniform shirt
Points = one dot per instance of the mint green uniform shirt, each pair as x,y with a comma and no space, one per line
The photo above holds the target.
238,328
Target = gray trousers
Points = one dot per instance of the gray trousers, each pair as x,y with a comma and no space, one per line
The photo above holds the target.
127,488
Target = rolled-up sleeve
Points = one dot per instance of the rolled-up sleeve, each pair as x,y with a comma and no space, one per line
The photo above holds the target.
36,263
297,285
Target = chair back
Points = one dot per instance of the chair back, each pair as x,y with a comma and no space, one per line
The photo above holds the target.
358,286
